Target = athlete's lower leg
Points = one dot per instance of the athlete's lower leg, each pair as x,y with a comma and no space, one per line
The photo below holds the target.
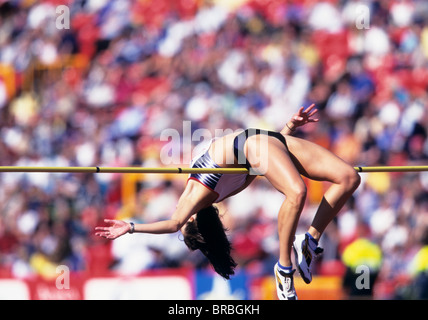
288,218
334,199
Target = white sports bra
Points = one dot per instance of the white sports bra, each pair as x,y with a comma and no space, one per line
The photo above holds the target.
222,184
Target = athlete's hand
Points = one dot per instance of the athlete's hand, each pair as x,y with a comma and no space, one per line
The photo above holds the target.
303,117
116,229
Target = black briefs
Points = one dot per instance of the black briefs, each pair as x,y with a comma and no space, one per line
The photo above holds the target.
239,141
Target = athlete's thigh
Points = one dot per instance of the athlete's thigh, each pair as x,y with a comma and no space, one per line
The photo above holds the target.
271,158
316,162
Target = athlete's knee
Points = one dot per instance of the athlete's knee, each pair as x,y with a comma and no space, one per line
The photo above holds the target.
350,179
296,194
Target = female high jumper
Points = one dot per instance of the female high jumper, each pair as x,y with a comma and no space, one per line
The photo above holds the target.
284,160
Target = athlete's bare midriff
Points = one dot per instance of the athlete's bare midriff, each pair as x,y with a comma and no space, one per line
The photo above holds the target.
221,151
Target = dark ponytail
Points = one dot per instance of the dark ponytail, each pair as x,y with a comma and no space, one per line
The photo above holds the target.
208,234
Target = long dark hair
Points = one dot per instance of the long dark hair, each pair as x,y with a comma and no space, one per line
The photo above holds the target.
208,234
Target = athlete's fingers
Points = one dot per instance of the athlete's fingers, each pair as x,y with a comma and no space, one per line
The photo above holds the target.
109,221
312,112
101,234
102,228
310,108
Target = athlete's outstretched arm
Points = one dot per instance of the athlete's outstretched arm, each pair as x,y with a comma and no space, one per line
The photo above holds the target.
186,207
302,117
118,228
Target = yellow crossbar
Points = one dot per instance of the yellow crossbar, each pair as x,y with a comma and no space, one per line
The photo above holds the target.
392,169
184,170
121,170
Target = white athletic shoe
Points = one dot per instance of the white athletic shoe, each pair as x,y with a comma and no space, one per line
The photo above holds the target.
305,256
284,284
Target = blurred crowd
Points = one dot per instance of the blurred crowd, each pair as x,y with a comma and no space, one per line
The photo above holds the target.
102,90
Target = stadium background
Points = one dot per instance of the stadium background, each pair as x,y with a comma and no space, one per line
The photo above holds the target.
101,92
